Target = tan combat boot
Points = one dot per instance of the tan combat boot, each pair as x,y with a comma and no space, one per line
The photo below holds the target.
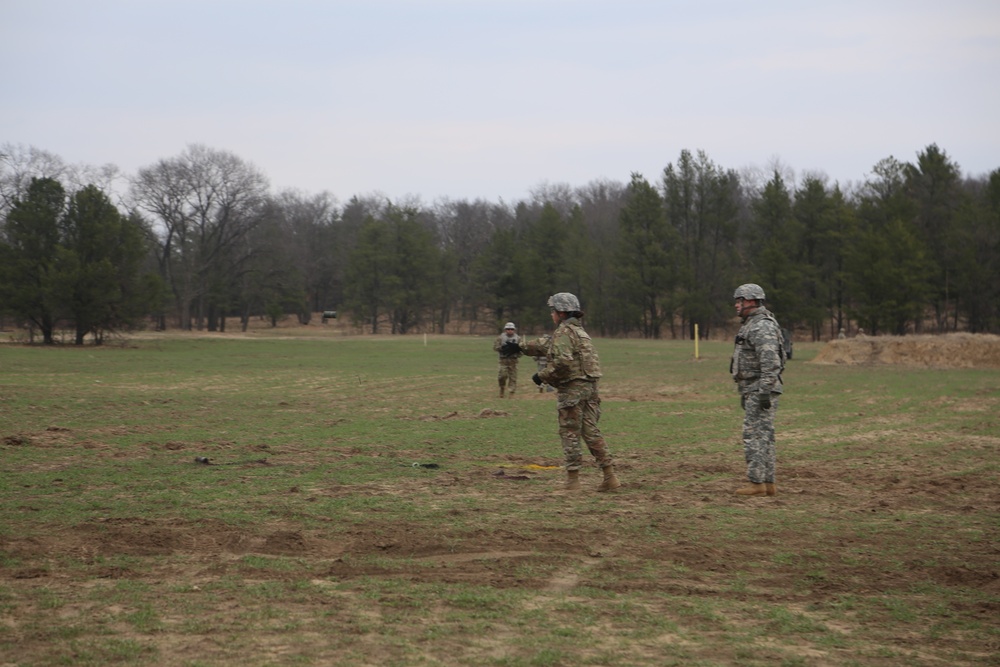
753,490
572,480
610,482
772,490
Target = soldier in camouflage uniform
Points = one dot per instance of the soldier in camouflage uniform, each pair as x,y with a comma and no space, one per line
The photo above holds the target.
541,362
507,347
758,359
573,368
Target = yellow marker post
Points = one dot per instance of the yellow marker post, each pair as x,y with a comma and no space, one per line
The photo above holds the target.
696,341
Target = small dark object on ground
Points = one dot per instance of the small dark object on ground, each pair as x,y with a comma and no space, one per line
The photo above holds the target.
501,473
204,460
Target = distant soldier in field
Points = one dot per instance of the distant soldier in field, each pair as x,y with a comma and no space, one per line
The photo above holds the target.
507,346
538,346
541,362
574,369
787,339
758,360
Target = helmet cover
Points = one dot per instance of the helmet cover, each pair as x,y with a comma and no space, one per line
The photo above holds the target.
564,302
749,291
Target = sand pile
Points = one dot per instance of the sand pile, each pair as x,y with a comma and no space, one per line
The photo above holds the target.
957,350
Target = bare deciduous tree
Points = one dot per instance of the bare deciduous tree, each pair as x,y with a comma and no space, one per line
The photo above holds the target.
204,204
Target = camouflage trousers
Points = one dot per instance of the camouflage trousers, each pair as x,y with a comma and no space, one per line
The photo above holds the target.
758,438
579,411
507,375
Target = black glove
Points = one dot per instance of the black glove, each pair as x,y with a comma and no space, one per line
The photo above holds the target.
765,401
537,380
510,348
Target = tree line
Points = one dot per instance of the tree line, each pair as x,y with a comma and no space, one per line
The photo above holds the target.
199,239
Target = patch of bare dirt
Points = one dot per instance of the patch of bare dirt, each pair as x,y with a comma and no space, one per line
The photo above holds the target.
453,552
957,350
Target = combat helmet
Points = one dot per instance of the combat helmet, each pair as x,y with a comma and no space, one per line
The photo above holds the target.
564,302
749,291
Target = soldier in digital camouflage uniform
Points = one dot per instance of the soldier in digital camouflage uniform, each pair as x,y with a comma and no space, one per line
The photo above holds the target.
574,369
507,347
758,359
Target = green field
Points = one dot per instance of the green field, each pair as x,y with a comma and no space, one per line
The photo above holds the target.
312,539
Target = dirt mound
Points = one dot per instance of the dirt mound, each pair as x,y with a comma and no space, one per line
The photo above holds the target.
958,350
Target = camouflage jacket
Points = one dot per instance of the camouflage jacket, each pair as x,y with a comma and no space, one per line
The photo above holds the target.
570,355
759,355
504,338
538,348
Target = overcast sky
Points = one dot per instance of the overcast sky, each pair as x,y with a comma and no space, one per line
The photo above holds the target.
474,99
